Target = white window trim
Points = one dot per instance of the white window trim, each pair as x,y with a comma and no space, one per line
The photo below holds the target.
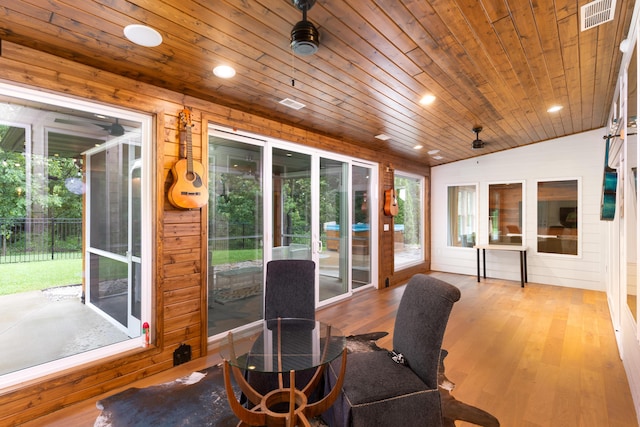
147,132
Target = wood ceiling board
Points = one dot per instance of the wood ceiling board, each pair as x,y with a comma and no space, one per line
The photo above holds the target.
493,63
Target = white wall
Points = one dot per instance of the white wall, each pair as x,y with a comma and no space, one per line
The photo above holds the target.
574,157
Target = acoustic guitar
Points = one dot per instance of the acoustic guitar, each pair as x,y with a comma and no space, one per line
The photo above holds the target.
390,202
188,190
609,186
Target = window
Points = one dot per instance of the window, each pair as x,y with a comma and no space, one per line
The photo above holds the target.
505,214
408,230
462,216
74,231
558,217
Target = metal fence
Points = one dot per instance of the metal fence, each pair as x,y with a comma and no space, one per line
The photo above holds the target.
40,239
234,235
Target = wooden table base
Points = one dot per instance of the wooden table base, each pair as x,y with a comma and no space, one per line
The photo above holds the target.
300,411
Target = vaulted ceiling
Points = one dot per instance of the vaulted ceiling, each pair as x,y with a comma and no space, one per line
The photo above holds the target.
498,64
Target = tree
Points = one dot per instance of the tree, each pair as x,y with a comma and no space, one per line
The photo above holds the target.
47,192
64,200
13,186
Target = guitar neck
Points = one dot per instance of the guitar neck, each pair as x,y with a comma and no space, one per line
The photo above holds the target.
189,151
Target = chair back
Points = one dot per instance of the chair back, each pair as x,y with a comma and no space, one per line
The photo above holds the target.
290,289
420,323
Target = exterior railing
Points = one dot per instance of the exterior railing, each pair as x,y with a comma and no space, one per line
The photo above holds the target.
39,239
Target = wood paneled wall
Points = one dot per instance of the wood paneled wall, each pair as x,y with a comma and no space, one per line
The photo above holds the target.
180,236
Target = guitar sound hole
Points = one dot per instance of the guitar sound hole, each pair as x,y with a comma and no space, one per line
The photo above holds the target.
194,178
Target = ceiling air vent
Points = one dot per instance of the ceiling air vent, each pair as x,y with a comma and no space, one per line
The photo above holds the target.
292,104
596,13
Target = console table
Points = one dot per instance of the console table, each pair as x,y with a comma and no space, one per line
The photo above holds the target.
512,248
284,346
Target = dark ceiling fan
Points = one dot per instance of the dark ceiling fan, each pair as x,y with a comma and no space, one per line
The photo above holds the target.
114,129
477,143
304,35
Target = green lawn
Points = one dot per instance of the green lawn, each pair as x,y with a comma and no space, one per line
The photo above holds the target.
29,276
37,275
237,255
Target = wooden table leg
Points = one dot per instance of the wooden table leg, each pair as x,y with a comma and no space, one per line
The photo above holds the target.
317,408
246,416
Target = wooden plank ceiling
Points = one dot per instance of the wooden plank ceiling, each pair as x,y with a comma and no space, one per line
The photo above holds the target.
499,64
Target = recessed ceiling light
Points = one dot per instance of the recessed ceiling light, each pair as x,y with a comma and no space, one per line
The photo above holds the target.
438,157
432,152
554,109
427,99
142,35
417,147
224,71
382,137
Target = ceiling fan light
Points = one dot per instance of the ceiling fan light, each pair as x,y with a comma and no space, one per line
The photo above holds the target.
477,144
304,38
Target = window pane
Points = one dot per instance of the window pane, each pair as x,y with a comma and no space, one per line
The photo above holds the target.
110,198
49,213
235,280
109,286
462,216
407,231
505,214
361,234
558,217
334,219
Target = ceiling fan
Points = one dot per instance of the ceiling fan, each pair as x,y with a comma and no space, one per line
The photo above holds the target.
304,35
477,143
114,129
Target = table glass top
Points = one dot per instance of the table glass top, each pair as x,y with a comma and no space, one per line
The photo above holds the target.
283,345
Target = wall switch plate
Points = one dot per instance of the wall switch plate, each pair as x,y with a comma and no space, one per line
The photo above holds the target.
386,227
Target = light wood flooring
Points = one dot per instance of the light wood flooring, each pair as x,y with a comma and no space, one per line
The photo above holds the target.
535,357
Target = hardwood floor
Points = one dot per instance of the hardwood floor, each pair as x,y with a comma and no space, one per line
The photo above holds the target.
534,357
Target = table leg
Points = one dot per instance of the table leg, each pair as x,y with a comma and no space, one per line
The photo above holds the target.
317,408
246,416
526,277
522,268
478,262
484,263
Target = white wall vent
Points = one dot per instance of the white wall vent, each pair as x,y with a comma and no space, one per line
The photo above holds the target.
292,104
595,13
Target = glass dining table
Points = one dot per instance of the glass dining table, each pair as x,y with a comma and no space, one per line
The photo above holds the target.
283,347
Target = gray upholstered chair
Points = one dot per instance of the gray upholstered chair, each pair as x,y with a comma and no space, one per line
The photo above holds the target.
378,391
289,293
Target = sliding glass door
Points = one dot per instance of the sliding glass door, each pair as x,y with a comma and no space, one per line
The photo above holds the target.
333,205
310,206
361,243
291,211
236,258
